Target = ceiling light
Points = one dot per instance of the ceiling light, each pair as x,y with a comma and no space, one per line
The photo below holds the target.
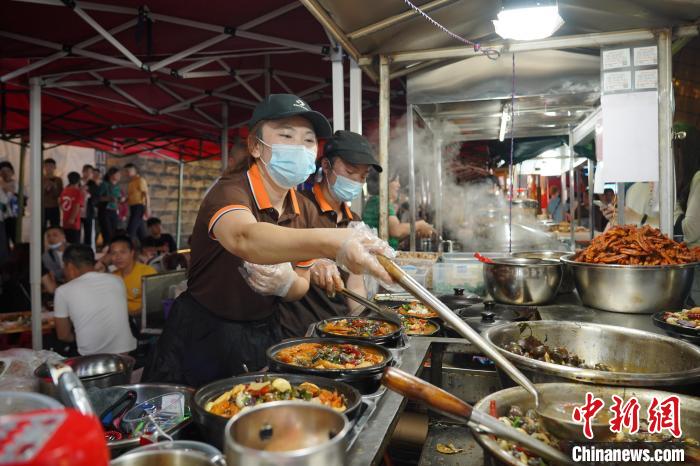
528,20
505,117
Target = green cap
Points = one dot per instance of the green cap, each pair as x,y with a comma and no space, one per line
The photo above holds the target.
278,106
352,148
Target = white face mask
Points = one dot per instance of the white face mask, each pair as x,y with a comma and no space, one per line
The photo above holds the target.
55,246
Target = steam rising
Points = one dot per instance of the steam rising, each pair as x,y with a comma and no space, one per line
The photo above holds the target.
476,213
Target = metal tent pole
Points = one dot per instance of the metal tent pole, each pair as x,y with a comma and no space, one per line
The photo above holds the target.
411,176
384,100
178,218
224,136
667,195
572,191
338,89
437,141
591,187
35,205
356,113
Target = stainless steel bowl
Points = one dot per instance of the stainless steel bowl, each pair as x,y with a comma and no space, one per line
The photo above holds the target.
637,358
567,281
513,280
576,393
164,457
292,433
631,288
94,371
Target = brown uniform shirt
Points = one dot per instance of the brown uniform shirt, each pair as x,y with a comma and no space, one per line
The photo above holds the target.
213,277
297,316
52,191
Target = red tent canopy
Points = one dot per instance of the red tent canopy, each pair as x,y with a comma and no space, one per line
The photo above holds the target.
126,78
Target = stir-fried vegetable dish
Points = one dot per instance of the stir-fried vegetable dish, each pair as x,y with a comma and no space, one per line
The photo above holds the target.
360,327
532,347
416,326
688,318
329,356
244,396
416,309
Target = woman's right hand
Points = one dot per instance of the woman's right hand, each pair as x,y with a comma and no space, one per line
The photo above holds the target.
358,250
325,275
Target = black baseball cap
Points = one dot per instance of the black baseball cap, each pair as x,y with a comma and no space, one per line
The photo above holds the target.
352,148
278,106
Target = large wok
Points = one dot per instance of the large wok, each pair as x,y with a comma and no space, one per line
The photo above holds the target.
637,358
576,394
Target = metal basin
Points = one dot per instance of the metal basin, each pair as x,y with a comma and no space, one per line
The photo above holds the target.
575,393
567,281
513,280
164,458
633,289
94,371
637,358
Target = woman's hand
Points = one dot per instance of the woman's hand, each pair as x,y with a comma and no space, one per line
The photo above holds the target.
269,280
424,229
357,254
325,275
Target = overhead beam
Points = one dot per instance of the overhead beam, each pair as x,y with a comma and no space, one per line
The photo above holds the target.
392,20
595,40
190,51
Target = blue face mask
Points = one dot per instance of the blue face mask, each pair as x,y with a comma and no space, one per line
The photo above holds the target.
290,164
344,189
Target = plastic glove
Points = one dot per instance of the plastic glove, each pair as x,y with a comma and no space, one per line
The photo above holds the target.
358,254
325,275
269,280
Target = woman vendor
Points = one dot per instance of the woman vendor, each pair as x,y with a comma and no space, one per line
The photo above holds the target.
223,324
341,175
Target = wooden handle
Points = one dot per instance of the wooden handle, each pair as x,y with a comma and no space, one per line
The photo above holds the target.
392,269
483,259
417,389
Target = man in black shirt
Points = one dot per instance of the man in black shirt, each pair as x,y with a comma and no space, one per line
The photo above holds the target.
91,193
155,231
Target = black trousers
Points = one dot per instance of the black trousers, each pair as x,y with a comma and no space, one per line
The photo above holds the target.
198,347
108,224
87,230
72,236
52,217
10,230
137,227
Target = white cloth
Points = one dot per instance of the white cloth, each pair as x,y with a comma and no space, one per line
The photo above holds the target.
96,304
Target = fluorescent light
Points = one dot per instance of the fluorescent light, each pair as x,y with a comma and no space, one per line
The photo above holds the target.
505,116
529,23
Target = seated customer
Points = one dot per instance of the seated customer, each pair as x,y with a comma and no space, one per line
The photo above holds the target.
94,304
123,256
52,259
155,231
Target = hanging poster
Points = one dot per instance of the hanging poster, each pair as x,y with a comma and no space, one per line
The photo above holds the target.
617,58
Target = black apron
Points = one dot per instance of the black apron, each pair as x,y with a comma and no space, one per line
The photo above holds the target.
198,347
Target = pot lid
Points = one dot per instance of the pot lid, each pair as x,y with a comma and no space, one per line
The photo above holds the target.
486,320
459,300
503,312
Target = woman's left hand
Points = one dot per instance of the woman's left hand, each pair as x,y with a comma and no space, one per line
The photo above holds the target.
325,275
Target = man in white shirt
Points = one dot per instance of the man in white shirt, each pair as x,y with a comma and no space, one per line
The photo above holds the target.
94,303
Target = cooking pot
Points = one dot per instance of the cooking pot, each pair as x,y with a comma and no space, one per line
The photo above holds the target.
391,340
289,433
366,379
212,426
97,370
567,281
458,300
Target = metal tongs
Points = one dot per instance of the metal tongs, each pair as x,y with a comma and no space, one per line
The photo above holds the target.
417,290
70,388
388,315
